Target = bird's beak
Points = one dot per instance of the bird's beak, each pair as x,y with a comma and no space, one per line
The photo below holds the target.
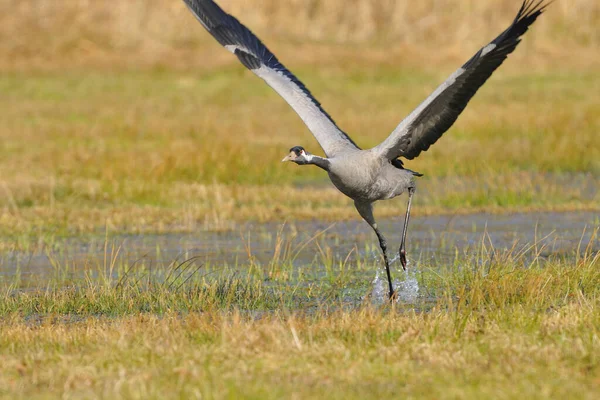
289,157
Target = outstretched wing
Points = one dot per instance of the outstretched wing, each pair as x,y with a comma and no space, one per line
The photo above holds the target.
426,124
255,56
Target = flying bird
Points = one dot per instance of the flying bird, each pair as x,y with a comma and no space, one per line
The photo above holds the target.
368,175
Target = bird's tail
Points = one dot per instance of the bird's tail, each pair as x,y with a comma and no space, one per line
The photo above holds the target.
396,162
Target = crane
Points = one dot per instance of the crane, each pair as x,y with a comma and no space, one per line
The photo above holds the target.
378,173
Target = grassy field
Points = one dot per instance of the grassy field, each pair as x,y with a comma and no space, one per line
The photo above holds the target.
126,117
156,150
505,325
142,123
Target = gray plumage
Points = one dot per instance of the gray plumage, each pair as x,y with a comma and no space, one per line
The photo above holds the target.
373,174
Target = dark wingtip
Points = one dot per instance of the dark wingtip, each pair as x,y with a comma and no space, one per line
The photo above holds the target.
531,8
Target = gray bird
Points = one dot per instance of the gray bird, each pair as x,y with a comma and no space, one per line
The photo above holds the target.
377,173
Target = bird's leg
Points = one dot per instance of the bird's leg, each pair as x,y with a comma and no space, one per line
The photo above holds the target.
383,245
402,251
366,211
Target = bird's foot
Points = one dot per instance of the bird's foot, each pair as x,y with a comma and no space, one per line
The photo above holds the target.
403,258
393,297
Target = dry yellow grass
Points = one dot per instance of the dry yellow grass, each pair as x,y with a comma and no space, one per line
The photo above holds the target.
346,355
52,33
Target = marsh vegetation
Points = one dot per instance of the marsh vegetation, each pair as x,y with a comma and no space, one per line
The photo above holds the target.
503,323
127,119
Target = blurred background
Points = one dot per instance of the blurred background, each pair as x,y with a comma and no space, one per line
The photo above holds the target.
128,114
51,33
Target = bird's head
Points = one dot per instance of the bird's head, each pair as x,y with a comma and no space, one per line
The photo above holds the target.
298,155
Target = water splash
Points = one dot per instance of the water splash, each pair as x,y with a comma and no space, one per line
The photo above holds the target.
379,293
395,259
407,287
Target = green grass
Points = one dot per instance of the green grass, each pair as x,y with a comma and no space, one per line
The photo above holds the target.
503,325
163,150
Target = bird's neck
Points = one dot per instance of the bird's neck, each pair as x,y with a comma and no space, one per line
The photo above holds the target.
320,162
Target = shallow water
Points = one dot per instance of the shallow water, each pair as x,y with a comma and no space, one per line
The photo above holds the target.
432,240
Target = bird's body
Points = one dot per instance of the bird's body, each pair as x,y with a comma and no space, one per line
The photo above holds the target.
367,176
